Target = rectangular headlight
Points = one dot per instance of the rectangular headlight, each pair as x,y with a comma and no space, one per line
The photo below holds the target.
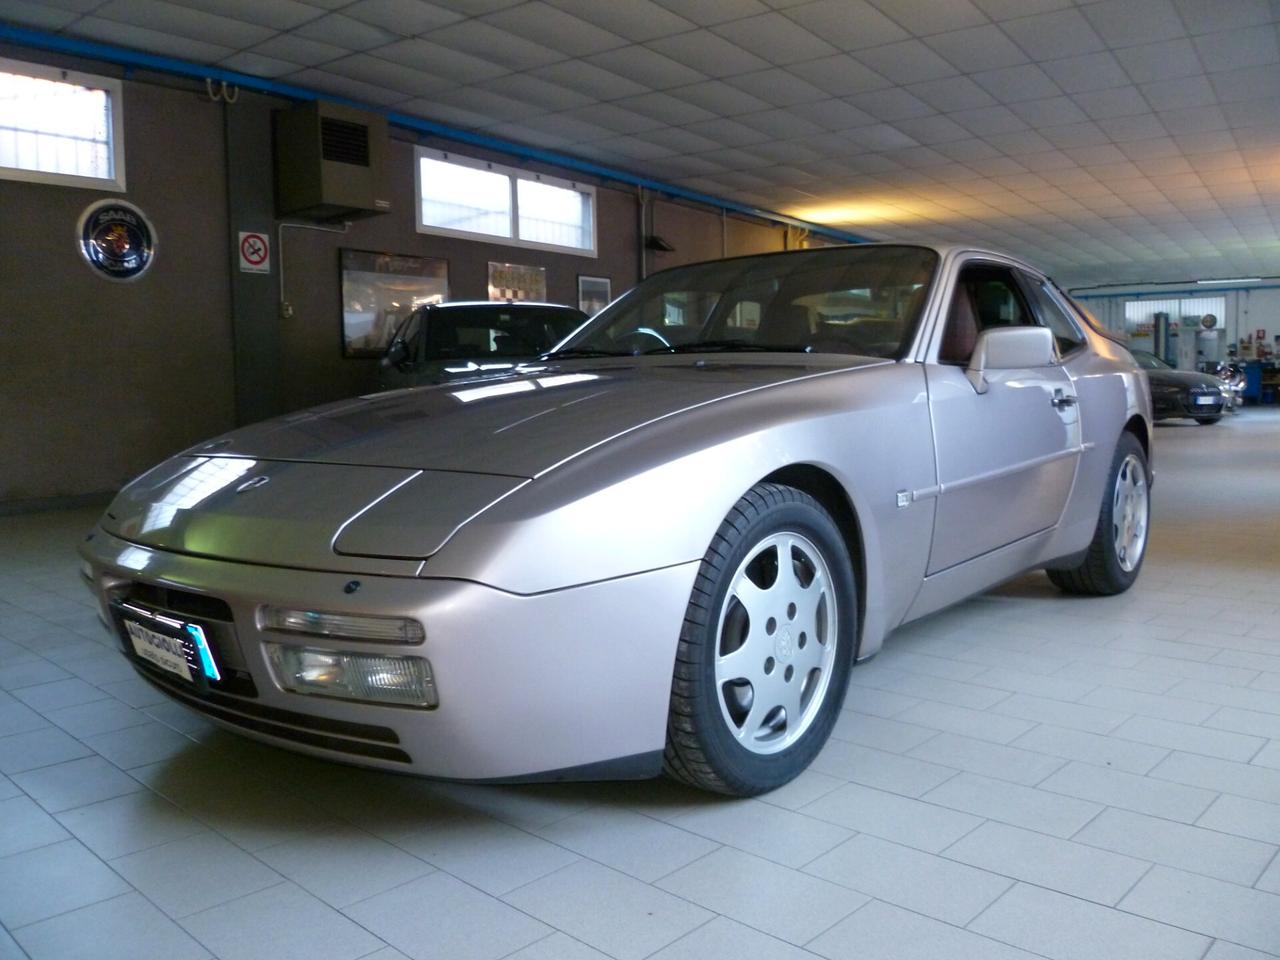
371,678
344,626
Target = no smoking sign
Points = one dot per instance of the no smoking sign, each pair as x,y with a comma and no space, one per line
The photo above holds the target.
255,253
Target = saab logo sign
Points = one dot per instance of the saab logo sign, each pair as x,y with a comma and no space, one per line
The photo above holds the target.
116,239
255,253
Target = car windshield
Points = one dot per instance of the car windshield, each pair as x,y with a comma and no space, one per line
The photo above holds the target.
483,330
855,300
1149,361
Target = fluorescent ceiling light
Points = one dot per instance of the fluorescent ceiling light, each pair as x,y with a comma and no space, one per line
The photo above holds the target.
1233,280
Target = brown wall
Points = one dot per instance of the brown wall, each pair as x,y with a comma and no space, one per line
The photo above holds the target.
98,379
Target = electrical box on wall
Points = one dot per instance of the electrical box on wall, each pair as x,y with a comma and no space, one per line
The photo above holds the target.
331,162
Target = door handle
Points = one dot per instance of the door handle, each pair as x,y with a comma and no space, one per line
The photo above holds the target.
1063,400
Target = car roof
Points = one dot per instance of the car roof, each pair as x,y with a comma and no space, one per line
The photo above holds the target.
505,304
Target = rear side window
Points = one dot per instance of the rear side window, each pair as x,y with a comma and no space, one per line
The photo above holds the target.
1053,315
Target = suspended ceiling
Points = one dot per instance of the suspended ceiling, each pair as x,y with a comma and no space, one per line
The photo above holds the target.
1116,141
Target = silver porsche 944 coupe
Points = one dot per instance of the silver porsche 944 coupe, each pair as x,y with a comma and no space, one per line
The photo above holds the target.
663,545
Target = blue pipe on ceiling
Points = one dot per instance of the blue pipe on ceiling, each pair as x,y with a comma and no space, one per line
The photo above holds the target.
91,49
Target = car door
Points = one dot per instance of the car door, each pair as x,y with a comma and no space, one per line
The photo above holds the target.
1006,457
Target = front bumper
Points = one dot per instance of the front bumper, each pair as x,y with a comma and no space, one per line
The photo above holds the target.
569,683
1185,405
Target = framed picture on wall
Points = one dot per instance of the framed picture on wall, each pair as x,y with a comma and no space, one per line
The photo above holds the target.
379,290
517,281
593,294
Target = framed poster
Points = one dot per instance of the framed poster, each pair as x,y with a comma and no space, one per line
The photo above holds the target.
516,281
379,290
593,294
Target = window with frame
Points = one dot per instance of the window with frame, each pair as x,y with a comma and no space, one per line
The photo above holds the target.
60,127
984,297
463,197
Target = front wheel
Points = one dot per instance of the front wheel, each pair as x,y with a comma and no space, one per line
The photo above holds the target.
765,648
1115,555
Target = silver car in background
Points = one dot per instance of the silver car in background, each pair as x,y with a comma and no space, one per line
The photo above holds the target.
663,546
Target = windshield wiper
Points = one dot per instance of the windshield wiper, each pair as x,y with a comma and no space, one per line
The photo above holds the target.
715,346
570,352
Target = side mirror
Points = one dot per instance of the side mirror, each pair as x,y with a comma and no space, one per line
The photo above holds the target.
1010,348
396,354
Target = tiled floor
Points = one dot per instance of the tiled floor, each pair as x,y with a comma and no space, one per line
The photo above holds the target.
1024,775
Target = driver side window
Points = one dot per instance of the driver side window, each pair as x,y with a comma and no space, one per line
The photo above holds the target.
984,297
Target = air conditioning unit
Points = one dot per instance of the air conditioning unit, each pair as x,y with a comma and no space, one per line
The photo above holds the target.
331,162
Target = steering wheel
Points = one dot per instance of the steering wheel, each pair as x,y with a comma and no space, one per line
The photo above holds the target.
639,338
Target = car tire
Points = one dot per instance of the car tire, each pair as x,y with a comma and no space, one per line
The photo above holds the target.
1205,421
1110,565
758,636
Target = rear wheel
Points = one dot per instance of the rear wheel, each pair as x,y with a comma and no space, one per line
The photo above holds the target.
765,648
1119,542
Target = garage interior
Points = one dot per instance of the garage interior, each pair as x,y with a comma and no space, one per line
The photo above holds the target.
1023,775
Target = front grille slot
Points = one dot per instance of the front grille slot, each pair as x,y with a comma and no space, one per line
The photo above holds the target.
180,602
340,736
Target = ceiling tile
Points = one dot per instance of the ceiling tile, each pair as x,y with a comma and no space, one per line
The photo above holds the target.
432,109
907,62
1020,144
636,20
165,44
671,111
890,105
716,56
295,49
1054,36
1193,91
357,90
1146,126
342,31
1200,17
487,42
708,12
1116,102
1247,83
278,15
554,28
833,114
977,48
1130,22
879,136
839,76
634,148
778,87
1193,120
782,124
1050,112
925,17
1075,135
731,133
775,38
1095,71
169,18
406,18
1160,61
953,93
932,130
1014,84
552,97
647,67
471,100
1233,49
580,75
35,14
966,151
849,24
988,120
259,66
434,58
382,73
681,141
720,98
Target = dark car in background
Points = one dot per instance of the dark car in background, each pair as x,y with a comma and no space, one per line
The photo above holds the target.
1181,393
441,342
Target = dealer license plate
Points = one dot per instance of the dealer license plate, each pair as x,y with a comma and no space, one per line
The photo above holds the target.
1206,401
167,653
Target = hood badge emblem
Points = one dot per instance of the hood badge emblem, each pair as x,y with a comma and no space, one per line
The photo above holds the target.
251,483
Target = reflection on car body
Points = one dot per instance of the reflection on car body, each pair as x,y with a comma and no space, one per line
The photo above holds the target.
464,340
662,546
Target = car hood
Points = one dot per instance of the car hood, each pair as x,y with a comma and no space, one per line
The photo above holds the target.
519,425
380,483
